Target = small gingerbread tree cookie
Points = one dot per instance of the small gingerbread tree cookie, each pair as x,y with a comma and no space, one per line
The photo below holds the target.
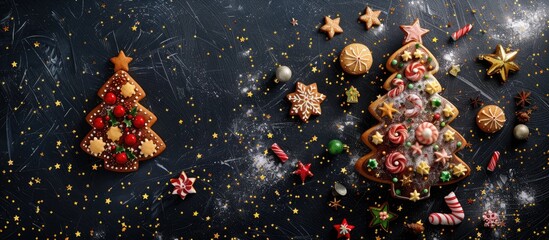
121,133
413,146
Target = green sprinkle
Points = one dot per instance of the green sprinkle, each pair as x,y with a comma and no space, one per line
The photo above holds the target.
442,124
429,59
394,62
418,45
397,192
435,147
410,86
425,190
395,180
435,102
408,144
400,65
425,76
458,144
399,76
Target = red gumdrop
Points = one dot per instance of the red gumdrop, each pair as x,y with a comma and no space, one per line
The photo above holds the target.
130,139
121,158
110,98
98,123
119,111
139,121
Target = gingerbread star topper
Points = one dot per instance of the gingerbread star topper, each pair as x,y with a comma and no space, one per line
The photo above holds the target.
121,62
413,33
501,62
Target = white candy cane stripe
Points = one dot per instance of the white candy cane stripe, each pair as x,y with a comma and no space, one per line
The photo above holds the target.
493,161
453,218
418,106
461,32
279,152
399,87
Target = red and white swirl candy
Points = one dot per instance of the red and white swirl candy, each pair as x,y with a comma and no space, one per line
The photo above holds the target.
414,71
418,106
426,133
453,218
398,89
493,161
397,134
395,162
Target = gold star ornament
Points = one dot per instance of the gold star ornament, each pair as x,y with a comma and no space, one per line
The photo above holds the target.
501,62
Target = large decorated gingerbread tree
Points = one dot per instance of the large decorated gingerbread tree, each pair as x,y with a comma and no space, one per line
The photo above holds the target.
121,133
413,146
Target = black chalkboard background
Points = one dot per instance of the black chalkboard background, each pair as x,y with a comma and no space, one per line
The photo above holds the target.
207,68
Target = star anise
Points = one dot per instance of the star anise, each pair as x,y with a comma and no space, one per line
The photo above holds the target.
523,98
523,116
476,102
335,203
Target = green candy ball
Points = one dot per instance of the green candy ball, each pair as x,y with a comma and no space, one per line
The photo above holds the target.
335,147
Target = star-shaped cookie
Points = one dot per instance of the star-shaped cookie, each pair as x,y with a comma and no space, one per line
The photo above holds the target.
370,18
413,32
331,27
121,62
306,101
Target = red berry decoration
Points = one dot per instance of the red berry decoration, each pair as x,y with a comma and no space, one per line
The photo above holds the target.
119,111
98,123
107,118
121,158
139,121
436,116
129,116
110,98
130,139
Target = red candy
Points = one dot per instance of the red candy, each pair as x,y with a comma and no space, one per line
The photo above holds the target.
119,111
139,121
121,158
98,123
436,116
130,139
110,98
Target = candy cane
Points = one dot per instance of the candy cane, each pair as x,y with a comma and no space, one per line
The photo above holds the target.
461,32
418,106
399,87
453,218
279,152
493,161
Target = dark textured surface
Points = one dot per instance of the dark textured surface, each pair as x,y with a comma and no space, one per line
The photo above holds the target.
197,61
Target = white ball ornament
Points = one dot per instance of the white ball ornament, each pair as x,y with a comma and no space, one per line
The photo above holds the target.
283,74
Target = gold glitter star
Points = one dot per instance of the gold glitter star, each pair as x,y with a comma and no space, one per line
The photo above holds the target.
295,211
199,156
331,27
195,213
406,55
448,111
387,110
145,196
214,135
77,233
14,64
108,201
36,44
250,94
256,215
134,28
414,196
57,103
479,168
501,62
10,162
377,138
269,135
343,170
406,180
435,39
459,170
423,168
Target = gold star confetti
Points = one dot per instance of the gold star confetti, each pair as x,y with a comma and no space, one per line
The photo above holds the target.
36,44
256,215
14,64
214,135
134,28
295,211
145,196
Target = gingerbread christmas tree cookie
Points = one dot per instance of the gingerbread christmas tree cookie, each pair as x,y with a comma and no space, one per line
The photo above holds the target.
121,133
413,146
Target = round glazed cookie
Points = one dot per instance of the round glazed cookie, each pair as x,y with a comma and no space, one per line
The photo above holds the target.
355,59
490,119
